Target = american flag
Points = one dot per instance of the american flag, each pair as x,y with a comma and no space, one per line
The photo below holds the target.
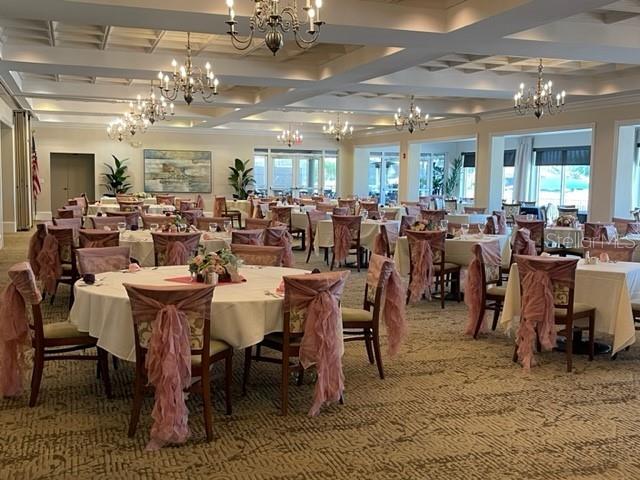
35,170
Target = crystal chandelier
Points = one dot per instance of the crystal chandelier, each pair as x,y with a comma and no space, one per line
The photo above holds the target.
413,120
151,108
338,130
539,99
290,137
270,19
127,126
189,80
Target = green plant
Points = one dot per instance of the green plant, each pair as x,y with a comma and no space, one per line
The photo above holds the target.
453,178
117,178
240,178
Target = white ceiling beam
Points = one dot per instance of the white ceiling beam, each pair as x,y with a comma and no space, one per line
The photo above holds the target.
105,37
157,41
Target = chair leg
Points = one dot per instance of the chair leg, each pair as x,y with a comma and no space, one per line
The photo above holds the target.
569,349
591,336
376,349
247,369
310,249
367,344
358,258
36,377
496,315
304,238
333,258
284,388
228,379
137,403
103,365
442,290
515,354
206,404
300,380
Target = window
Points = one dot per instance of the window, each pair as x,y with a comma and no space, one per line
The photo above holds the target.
468,182
260,170
563,176
330,174
282,174
384,173
424,174
508,174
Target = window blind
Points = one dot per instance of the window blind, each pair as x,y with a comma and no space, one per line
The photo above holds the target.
468,159
509,158
563,156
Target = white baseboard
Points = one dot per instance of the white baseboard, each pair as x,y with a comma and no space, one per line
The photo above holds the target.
9,227
43,216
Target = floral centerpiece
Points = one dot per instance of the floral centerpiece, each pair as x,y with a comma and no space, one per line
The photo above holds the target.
141,195
224,264
179,224
422,226
566,221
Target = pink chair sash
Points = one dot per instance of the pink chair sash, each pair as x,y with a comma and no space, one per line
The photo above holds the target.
219,206
50,264
491,227
502,222
322,340
537,275
484,253
177,247
382,271
247,237
259,255
522,243
343,228
280,237
104,259
168,361
177,254
98,239
200,202
421,258
35,246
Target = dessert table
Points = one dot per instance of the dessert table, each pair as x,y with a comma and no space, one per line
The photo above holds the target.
140,244
241,313
457,250
608,287
154,209
368,231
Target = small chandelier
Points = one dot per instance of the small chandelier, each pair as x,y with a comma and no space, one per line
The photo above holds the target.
540,99
268,18
290,137
189,80
127,126
151,108
338,130
413,120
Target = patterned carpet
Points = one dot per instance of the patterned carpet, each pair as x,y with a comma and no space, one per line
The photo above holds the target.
450,408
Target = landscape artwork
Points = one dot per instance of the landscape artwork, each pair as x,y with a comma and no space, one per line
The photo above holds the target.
177,171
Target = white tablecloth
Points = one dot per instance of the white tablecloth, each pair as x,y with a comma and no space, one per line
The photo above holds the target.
608,287
114,201
93,209
466,218
368,231
399,211
567,236
140,244
241,314
457,250
243,205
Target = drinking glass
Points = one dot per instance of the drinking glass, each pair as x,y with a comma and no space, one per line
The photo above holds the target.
465,228
213,227
529,216
154,227
364,214
227,226
122,226
444,225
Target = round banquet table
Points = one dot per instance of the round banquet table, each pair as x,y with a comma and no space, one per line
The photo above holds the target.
241,313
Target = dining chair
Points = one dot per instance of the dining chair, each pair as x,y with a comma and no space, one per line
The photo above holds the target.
384,296
91,238
248,237
50,342
475,210
280,237
599,231
522,244
548,299
633,228
349,203
104,222
313,217
435,216
455,227
160,220
342,211
102,259
372,209
346,238
311,319
536,231
259,254
130,218
186,204
76,210
484,290
172,330
451,205
74,223
57,261
385,241
427,263
192,215
35,246
510,211
620,251
165,199
174,248
283,215
406,222
64,213
327,207
501,222
414,210
131,206
257,223
220,210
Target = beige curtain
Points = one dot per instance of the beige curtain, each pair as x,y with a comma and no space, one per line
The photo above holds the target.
23,196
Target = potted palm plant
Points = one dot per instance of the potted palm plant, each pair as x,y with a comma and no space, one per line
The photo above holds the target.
240,178
116,178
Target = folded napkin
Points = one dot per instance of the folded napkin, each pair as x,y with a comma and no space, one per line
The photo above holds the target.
134,267
604,257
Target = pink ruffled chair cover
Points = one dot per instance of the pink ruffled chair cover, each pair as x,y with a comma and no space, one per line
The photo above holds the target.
485,254
35,246
414,210
342,211
50,263
491,227
321,343
405,224
535,227
165,199
382,271
186,204
259,255
130,218
421,253
475,210
327,207
522,243
621,251
281,214
257,223
345,231
15,338
501,223
100,260
219,206
62,213
600,231
160,220
92,238
372,208
73,223
247,237
77,210
168,358
280,237
176,247
200,202
433,215
192,215
349,203
99,223
388,235
537,278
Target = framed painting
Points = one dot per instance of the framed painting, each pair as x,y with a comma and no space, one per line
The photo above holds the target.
177,171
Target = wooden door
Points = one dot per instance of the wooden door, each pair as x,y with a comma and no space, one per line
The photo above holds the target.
71,175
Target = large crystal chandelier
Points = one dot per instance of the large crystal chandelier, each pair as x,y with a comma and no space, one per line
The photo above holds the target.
290,137
338,130
268,17
412,120
189,80
152,109
127,126
539,99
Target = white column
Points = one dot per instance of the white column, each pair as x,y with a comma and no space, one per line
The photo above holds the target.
409,171
625,171
360,180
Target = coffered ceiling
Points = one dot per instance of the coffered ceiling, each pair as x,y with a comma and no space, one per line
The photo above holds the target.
80,62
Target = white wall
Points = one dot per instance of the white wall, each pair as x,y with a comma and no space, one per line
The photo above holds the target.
553,139
6,155
225,147
451,149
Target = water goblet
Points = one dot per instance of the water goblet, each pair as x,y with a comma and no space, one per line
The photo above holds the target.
464,228
364,214
227,226
213,227
154,227
122,226
444,225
